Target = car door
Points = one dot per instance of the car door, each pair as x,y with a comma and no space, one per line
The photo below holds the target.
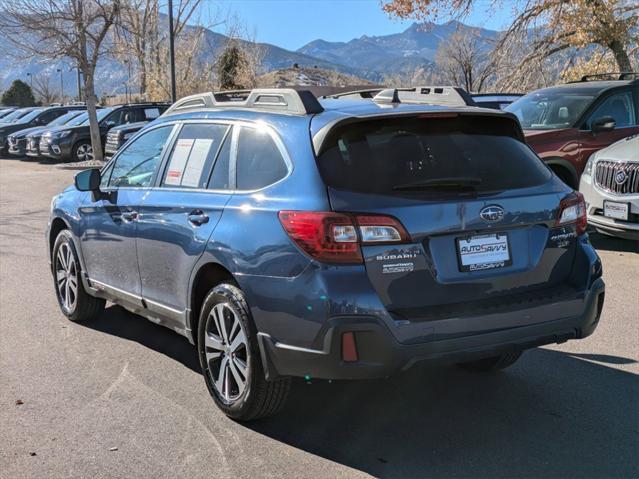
622,107
178,216
109,237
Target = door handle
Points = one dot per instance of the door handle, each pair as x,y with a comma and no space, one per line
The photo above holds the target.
198,218
129,215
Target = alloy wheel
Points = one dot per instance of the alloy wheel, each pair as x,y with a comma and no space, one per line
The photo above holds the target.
226,351
85,152
66,277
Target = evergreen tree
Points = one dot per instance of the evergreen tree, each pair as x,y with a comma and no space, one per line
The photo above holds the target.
18,94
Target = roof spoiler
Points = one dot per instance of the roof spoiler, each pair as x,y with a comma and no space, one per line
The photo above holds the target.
276,100
431,95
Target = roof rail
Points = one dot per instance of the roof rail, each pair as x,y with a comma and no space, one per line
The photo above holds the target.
277,100
368,93
433,95
610,76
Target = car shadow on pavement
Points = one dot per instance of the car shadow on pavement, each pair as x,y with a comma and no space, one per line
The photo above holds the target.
117,321
552,414
610,243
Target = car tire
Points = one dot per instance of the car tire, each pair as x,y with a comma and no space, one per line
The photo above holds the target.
82,151
75,303
230,358
494,363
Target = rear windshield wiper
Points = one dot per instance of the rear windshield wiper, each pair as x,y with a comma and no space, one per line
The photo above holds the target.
456,182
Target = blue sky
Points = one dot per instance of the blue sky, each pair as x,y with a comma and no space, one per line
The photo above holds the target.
293,23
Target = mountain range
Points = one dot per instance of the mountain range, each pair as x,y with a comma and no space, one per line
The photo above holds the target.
366,57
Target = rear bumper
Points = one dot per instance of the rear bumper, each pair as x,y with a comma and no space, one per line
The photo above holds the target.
381,355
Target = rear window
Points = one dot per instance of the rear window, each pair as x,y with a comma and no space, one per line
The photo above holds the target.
429,156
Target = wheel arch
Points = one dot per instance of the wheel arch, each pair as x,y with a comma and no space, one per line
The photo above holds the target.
204,278
564,169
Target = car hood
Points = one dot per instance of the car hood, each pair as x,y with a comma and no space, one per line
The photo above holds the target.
66,128
128,127
623,150
26,131
11,127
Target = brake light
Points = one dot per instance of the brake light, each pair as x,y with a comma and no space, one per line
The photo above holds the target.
572,210
336,237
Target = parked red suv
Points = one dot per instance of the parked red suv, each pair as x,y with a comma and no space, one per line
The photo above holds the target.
566,124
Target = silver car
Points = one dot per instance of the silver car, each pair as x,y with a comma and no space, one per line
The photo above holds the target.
610,185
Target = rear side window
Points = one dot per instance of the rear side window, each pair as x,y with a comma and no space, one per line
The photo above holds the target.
429,156
193,155
259,161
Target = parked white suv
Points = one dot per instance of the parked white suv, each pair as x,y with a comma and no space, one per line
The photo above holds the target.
610,185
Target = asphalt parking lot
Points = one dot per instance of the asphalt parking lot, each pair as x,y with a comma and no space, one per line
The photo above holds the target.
122,397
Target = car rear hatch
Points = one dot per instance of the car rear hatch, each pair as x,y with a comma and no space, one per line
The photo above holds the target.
479,208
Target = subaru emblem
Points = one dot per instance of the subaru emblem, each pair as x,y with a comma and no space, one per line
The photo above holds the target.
491,213
620,177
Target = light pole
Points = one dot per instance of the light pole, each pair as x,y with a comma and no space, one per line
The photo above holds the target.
171,52
128,81
79,87
61,86
30,80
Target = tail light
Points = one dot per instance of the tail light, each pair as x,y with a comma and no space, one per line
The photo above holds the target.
572,210
337,237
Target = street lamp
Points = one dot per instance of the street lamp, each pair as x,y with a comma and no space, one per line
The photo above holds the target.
30,79
59,70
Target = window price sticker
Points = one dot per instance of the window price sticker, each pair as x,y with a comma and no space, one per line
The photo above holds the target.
178,162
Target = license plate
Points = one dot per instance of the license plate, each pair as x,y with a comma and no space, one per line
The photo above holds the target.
482,252
618,211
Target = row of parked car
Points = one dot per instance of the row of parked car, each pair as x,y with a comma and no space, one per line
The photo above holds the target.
62,132
565,125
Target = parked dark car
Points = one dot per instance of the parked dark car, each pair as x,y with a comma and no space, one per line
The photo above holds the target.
119,135
18,140
341,239
36,117
496,101
73,143
566,124
33,138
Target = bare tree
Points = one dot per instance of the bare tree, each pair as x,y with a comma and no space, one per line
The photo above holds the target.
57,29
43,89
465,61
141,34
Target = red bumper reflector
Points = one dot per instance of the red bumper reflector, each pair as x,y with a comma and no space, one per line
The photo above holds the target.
349,349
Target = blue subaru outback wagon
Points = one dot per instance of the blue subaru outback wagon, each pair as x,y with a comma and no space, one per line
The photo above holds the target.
343,239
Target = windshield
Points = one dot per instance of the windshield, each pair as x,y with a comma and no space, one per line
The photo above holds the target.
29,116
14,116
552,110
62,120
5,113
101,115
402,157
78,120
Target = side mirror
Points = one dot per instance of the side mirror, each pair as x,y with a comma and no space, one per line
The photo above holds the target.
88,180
110,124
604,123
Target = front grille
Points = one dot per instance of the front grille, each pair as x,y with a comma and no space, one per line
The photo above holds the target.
609,173
12,141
